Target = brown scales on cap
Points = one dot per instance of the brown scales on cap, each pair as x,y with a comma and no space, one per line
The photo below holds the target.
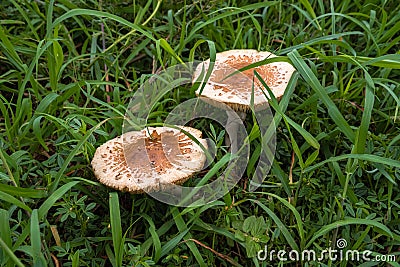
242,83
236,90
150,160
161,150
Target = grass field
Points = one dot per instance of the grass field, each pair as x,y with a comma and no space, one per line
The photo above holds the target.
69,69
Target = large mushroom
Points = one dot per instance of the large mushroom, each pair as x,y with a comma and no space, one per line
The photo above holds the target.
242,89
150,159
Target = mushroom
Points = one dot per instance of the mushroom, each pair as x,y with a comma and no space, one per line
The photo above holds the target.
150,159
236,90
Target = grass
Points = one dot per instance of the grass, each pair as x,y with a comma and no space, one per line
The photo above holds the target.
69,68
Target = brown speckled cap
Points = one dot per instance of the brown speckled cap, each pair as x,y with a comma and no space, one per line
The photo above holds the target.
149,160
236,90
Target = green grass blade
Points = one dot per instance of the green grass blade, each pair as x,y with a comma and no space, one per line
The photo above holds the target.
10,199
87,12
348,221
171,244
310,10
296,214
232,11
312,80
366,157
27,19
144,248
5,233
67,161
10,253
22,192
274,103
155,237
318,40
75,259
164,44
289,238
36,243
182,227
116,228
44,208
9,50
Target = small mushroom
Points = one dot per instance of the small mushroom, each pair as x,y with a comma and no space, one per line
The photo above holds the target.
150,159
236,90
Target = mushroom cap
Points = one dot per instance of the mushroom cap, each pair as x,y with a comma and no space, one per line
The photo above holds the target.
236,90
149,160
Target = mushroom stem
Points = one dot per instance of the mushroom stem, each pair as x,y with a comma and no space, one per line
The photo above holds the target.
232,126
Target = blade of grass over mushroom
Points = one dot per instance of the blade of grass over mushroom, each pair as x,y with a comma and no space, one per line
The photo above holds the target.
307,136
312,80
211,47
191,136
265,61
283,104
274,103
116,228
349,221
